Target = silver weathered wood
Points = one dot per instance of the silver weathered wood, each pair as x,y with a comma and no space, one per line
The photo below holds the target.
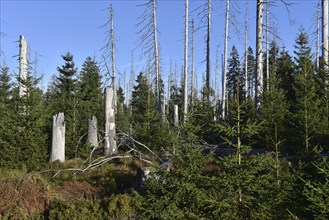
225,59
176,123
92,132
259,53
23,65
110,145
58,139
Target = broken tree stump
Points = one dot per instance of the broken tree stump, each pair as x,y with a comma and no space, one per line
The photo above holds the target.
58,139
110,145
92,132
176,123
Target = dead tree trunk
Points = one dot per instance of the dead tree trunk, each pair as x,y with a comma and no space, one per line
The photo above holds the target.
246,53
225,59
317,51
186,63
92,132
110,145
259,53
325,32
176,120
113,60
23,65
266,44
208,52
192,63
58,139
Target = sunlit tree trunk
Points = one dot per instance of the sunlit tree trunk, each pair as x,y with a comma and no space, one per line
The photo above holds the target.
110,145
246,52
224,93
186,63
259,53
23,65
58,138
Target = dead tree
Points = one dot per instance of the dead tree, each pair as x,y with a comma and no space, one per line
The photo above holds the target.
267,43
149,39
192,63
246,52
110,145
225,59
58,139
186,63
317,51
325,33
259,53
92,132
176,120
208,51
109,51
23,65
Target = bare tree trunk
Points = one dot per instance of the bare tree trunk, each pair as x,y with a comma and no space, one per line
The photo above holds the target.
23,65
58,139
318,37
259,53
246,53
157,60
186,63
92,132
267,50
110,145
225,59
192,63
114,83
208,52
176,121
325,32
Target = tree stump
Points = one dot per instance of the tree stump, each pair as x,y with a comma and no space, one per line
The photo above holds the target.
58,140
92,132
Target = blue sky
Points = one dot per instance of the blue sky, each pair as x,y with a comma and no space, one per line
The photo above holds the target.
55,27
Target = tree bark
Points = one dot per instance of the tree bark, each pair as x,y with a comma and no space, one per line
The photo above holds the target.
110,145
267,50
192,64
58,139
92,132
23,65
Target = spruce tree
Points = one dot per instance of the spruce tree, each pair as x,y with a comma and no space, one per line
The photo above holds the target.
89,96
63,98
235,78
307,114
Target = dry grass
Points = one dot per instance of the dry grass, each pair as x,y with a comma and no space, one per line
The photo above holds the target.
23,196
76,190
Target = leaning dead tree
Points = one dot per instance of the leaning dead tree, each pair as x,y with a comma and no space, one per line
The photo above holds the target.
225,60
110,145
259,53
58,139
92,132
186,63
23,65
149,40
